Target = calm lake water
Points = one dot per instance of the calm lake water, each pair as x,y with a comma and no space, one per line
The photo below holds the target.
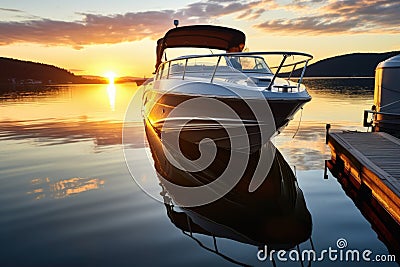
67,197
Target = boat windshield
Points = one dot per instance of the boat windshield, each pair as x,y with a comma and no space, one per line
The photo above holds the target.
248,63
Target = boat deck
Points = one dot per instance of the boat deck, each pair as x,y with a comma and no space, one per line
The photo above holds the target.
373,160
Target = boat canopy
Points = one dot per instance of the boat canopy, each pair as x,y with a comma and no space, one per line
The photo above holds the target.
200,36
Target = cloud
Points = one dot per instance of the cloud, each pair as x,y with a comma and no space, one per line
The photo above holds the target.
93,29
339,17
11,10
312,17
325,24
116,28
305,3
251,14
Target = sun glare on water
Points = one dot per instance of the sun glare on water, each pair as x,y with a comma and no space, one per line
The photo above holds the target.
110,76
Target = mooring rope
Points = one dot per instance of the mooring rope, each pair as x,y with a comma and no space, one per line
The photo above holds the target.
298,126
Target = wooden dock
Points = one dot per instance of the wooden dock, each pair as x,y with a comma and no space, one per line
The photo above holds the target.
373,160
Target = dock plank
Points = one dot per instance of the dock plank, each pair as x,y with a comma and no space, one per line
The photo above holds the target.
375,159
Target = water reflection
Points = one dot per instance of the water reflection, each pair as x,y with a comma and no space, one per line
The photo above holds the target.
342,86
111,92
52,115
381,222
275,214
44,187
28,93
305,147
340,102
117,224
102,133
64,102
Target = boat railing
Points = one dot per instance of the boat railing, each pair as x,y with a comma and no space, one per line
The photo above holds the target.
210,66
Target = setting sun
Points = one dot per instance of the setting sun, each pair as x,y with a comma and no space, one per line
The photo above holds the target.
110,76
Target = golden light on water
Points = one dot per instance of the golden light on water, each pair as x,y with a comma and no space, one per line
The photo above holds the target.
111,93
65,187
111,90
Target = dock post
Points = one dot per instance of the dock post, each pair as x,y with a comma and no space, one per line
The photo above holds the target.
328,126
326,170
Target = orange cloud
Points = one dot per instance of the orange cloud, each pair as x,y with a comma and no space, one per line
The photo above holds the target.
117,28
312,17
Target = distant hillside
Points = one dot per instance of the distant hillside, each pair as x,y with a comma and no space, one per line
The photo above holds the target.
350,65
129,79
100,79
124,79
25,72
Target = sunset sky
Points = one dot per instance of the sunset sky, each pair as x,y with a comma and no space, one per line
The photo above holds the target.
95,37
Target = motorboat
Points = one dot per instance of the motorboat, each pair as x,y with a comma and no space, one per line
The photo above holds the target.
276,187
226,97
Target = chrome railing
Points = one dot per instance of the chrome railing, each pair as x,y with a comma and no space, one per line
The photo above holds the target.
304,59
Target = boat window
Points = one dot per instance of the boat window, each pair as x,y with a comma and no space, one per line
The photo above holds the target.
249,64
177,68
256,64
234,62
203,65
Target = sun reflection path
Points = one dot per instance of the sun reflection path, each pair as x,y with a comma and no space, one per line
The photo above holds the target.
111,92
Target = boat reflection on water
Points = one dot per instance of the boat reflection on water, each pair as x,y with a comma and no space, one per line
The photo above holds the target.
275,215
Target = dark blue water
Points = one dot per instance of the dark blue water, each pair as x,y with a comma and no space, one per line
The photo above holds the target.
68,199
